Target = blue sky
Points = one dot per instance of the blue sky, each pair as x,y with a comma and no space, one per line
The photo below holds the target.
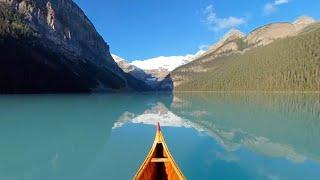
142,29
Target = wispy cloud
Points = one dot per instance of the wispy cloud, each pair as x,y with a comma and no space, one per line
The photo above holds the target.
271,7
278,2
203,47
218,23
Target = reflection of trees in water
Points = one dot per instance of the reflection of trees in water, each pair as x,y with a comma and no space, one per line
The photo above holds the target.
287,120
283,102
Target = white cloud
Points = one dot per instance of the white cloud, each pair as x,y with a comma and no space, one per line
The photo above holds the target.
217,23
270,8
278,2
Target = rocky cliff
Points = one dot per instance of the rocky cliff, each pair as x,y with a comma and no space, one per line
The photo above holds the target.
54,45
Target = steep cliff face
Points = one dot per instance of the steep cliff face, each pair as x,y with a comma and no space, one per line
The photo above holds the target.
62,37
64,23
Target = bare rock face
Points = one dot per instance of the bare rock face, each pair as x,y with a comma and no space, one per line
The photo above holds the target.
267,34
228,37
51,19
232,42
303,22
228,44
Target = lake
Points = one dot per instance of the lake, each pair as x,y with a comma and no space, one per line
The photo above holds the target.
210,135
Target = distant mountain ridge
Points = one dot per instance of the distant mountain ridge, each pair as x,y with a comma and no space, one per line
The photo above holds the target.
266,59
161,66
136,72
154,70
236,41
268,33
170,72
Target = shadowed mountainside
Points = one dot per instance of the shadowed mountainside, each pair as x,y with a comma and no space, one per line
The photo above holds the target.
51,46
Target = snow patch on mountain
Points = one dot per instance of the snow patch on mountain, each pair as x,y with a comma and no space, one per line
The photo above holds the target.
117,58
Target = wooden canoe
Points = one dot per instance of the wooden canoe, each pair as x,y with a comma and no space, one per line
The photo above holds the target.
159,164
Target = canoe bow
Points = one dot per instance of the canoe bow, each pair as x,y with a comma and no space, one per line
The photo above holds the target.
159,164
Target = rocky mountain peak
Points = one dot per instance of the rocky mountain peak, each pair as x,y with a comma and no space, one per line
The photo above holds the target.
226,43
233,34
229,36
267,34
303,21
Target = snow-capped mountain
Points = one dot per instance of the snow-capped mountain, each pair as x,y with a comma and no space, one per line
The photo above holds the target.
168,63
154,70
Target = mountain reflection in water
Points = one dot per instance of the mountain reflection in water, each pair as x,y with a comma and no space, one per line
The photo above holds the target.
279,125
211,135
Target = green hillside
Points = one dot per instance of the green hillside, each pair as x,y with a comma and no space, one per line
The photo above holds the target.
290,64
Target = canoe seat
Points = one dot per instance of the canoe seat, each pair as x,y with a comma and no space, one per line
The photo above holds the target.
156,160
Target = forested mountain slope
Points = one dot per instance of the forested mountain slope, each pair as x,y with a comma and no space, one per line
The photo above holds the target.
288,64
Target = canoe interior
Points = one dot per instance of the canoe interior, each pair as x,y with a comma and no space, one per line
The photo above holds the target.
161,169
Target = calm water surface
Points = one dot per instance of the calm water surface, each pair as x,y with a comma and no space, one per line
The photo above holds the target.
211,136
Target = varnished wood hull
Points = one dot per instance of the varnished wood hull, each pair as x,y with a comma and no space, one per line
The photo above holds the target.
159,164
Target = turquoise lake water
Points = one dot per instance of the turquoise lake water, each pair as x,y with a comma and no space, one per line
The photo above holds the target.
210,135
